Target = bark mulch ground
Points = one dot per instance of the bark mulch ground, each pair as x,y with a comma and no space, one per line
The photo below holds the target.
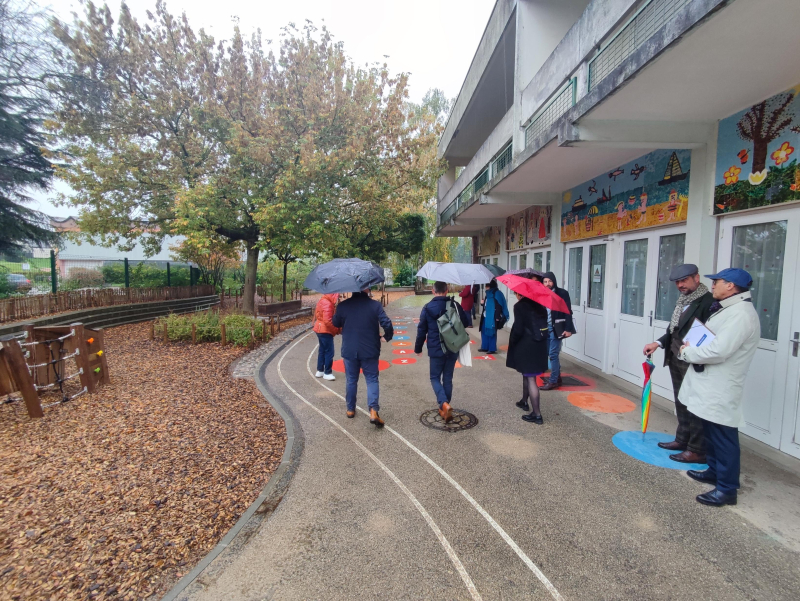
117,495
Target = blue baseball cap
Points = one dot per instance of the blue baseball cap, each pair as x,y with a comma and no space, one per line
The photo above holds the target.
733,275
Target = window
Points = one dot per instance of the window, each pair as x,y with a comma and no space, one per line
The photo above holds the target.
548,261
575,274
634,277
597,275
523,260
670,254
537,262
512,262
759,249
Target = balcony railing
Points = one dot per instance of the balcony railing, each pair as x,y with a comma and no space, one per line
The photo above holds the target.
649,19
544,119
476,185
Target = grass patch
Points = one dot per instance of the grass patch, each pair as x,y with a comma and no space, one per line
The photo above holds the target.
240,329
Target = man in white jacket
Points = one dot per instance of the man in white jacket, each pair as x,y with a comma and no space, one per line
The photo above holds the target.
713,389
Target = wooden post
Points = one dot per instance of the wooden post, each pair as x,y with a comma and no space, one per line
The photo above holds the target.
21,376
82,358
221,298
100,341
194,333
166,334
153,330
278,319
263,330
222,334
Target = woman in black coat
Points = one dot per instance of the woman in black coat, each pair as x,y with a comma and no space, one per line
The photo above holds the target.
527,352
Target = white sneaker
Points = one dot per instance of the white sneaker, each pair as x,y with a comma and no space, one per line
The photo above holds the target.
329,377
319,374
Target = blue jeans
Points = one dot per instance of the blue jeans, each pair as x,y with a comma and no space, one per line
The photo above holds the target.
442,369
723,455
554,347
370,368
325,354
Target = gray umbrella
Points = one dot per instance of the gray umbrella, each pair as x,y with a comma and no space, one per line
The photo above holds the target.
344,275
495,269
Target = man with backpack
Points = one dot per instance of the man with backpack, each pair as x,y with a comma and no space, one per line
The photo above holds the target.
441,323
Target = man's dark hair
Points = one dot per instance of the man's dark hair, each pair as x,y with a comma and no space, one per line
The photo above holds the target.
492,285
740,289
439,287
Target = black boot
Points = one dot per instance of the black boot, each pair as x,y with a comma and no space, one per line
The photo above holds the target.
523,404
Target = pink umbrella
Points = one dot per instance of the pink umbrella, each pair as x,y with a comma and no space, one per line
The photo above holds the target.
536,291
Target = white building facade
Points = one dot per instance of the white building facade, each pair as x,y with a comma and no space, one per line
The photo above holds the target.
610,140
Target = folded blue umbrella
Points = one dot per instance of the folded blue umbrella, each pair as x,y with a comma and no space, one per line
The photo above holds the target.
344,275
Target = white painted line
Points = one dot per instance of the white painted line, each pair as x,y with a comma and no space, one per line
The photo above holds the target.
473,591
477,506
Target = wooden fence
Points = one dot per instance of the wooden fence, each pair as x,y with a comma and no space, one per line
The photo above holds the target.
26,307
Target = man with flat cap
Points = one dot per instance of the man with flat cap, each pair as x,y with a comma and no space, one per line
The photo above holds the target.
715,393
694,302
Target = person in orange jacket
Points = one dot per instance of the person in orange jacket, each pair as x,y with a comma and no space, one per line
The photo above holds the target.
325,330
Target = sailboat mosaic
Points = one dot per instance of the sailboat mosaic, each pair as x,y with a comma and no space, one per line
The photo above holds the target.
649,191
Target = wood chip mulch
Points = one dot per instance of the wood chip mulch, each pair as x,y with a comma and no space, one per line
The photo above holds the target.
118,494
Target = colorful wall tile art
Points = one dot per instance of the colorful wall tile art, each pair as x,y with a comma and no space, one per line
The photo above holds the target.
489,241
649,191
757,155
539,224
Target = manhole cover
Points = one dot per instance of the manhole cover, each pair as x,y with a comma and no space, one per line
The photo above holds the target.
571,381
462,420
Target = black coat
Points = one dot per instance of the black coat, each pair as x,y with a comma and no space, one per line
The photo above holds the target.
527,344
360,317
701,309
562,322
428,328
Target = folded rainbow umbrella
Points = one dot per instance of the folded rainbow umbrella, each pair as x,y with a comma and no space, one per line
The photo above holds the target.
648,367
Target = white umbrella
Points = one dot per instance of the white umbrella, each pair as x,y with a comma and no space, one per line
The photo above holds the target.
463,274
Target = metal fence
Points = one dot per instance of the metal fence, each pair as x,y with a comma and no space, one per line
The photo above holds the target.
649,19
28,276
552,111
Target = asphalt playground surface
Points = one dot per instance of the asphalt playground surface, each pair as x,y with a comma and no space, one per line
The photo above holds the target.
503,510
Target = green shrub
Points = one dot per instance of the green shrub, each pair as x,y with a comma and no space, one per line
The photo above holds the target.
405,276
207,327
81,277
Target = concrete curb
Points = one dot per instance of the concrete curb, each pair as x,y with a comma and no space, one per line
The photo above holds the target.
270,496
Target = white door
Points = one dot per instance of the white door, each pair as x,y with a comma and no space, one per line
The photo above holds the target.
647,299
761,244
541,260
586,284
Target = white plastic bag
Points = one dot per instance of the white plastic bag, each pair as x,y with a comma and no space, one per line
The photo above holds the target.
465,356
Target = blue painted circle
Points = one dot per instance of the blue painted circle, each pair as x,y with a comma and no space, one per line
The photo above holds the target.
400,337
644,447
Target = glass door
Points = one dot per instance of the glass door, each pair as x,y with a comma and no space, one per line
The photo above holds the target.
595,344
541,260
586,284
574,285
761,245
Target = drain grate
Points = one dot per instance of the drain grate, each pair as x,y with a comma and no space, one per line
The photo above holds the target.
462,420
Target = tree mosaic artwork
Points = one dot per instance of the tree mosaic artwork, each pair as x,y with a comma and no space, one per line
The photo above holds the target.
649,191
756,160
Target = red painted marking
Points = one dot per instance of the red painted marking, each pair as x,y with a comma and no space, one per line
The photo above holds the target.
338,365
402,351
540,380
407,361
601,402
485,358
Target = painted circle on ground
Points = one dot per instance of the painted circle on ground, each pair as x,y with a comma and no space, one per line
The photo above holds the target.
601,402
406,361
644,447
401,337
402,351
503,347
401,343
485,358
571,382
338,365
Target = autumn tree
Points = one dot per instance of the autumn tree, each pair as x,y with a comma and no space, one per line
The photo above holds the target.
763,123
213,257
25,162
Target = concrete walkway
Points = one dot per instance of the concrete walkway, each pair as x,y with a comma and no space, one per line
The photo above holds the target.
505,510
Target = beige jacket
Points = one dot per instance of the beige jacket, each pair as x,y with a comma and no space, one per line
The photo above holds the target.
715,394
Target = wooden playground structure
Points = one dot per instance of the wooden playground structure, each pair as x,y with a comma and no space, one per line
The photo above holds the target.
55,364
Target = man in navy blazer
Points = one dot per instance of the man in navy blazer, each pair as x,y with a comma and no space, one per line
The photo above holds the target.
360,319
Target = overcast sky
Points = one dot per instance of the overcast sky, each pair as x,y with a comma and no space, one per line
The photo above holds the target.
433,40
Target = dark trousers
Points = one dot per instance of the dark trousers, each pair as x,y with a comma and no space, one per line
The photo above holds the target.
690,427
723,455
352,367
442,369
325,354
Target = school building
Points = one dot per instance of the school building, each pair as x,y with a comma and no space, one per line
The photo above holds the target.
610,140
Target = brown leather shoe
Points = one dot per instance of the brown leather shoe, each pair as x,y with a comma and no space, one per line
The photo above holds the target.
688,457
351,414
549,386
374,418
672,446
446,412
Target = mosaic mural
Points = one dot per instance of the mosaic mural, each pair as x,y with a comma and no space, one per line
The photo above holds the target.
515,231
489,241
648,191
531,226
756,160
